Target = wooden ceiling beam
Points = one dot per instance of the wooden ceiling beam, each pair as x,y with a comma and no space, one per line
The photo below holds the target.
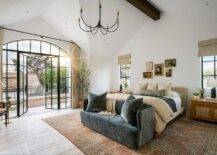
147,8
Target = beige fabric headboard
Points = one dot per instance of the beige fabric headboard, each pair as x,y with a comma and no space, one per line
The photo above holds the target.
184,95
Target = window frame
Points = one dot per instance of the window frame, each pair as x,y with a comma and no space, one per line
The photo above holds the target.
214,75
127,69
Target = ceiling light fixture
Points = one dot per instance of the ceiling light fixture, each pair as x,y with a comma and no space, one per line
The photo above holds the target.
94,29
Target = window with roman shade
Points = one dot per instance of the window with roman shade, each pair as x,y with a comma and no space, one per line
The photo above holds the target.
207,50
124,62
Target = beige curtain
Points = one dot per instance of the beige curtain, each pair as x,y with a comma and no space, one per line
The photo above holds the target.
1,43
75,59
124,59
207,47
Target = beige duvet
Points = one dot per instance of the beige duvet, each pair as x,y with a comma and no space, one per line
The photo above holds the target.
163,113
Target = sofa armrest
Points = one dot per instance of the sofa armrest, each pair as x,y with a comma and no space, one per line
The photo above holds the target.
145,123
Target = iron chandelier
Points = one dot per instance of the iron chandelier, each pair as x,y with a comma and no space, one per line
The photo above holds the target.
94,29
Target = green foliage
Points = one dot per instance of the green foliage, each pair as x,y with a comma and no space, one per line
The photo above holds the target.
125,85
48,75
83,80
37,64
50,78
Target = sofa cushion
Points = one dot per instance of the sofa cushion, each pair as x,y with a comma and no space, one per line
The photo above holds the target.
96,103
118,106
120,103
129,110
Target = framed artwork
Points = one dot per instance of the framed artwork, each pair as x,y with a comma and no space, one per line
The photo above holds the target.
159,69
170,63
168,72
148,75
149,65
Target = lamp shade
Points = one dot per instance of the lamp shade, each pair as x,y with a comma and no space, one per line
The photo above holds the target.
211,83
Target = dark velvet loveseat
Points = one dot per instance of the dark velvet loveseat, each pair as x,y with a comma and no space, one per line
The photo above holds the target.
116,128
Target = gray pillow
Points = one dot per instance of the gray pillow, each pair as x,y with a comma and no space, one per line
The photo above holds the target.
120,103
96,103
129,110
118,106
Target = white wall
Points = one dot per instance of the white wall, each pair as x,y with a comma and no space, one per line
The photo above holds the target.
173,36
101,73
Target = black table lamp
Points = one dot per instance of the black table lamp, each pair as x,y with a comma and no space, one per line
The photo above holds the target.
213,84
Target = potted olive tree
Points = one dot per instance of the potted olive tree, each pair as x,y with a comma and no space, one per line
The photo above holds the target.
83,82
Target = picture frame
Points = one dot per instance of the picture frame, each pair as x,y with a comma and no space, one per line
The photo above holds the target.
149,66
170,63
148,75
159,69
168,72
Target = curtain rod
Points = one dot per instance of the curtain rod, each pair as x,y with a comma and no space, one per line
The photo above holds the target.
38,35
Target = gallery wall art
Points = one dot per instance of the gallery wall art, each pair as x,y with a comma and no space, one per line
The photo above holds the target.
159,69
148,75
170,63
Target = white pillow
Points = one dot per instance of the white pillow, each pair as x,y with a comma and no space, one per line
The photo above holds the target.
152,87
141,88
175,94
160,87
168,91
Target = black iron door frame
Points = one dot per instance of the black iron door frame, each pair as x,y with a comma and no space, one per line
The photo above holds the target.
63,81
22,77
50,97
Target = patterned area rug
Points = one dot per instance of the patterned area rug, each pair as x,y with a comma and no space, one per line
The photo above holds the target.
181,136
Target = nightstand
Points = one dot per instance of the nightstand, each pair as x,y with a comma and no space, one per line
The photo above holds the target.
204,109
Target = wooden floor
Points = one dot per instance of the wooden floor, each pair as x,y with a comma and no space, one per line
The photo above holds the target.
30,135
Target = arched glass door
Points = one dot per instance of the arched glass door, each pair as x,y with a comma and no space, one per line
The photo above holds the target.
23,62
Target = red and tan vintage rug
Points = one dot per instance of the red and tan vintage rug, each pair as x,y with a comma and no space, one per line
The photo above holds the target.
180,137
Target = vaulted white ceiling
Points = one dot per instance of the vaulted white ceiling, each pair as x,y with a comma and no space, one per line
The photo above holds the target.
12,11
62,16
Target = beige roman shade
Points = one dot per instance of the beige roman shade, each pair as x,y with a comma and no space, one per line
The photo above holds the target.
124,59
207,47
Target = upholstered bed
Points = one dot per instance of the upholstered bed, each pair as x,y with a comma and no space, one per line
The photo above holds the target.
163,113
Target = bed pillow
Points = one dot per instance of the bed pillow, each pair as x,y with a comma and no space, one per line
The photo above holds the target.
168,90
141,88
149,93
175,94
158,93
160,86
96,103
129,110
152,87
